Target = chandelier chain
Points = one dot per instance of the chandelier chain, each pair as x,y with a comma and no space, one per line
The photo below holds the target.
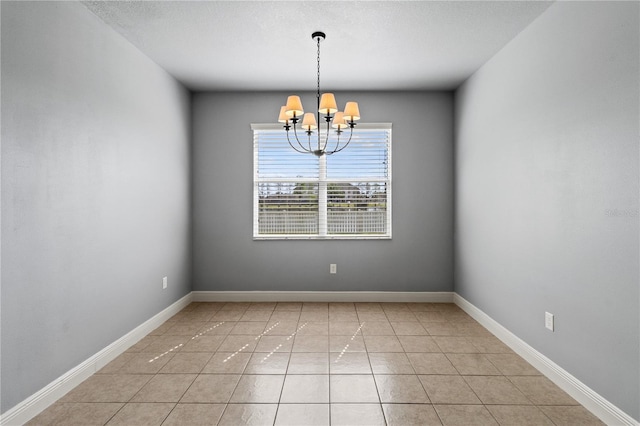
318,59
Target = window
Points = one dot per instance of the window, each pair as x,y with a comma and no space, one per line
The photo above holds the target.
345,195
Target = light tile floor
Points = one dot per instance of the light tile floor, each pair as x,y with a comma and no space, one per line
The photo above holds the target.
318,364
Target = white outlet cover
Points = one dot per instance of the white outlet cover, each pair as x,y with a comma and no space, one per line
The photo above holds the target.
548,321
333,268
164,282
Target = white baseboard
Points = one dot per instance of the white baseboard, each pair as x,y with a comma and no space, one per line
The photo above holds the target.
591,400
39,401
322,296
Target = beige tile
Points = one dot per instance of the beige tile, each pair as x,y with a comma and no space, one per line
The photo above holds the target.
311,344
259,388
496,390
227,315
344,328
143,414
353,388
165,343
441,329
410,415
205,343
288,306
249,414
571,416
431,363
274,344
357,415
145,341
349,363
235,306
448,390
314,316
219,328
309,389
165,388
451,344
395,316
400,388
395,307
465,415
145,363
343,316
162,328
116,364
489,344
473,364
382,344
259,306
521,415
376,328
76,414
107,388
372,317
421,307
211,388
406,328
186,362
347,344
418,344
282,327
257,315
195,415
185,328
471,329
264,363
342,307
390,363
368,307
302,414
429,316
315,306
308,363
285,316
227,362
238,343
252,328
542,391
314,328
512,365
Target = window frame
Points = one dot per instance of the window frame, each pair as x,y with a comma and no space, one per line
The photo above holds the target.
323,180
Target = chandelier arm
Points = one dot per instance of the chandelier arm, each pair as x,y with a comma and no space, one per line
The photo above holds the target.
345,145
304,150
296,149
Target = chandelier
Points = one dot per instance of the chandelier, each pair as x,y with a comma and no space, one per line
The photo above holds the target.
292,112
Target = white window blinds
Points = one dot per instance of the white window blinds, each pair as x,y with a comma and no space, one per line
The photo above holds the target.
345,195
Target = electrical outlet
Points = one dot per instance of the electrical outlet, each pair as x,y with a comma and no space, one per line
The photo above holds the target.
333,268
548,321
165,282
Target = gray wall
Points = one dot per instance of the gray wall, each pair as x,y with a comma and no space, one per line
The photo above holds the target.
418,258
95,191
547,192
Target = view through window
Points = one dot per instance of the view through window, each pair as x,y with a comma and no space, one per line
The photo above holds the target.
344,195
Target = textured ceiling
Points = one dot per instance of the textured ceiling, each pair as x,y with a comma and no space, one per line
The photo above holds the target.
370,45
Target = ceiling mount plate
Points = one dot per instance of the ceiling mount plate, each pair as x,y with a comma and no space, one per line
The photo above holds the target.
318,35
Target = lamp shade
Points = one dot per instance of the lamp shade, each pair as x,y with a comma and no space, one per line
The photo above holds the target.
283,118
309,122
294,106
351,111
328,104
338,121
